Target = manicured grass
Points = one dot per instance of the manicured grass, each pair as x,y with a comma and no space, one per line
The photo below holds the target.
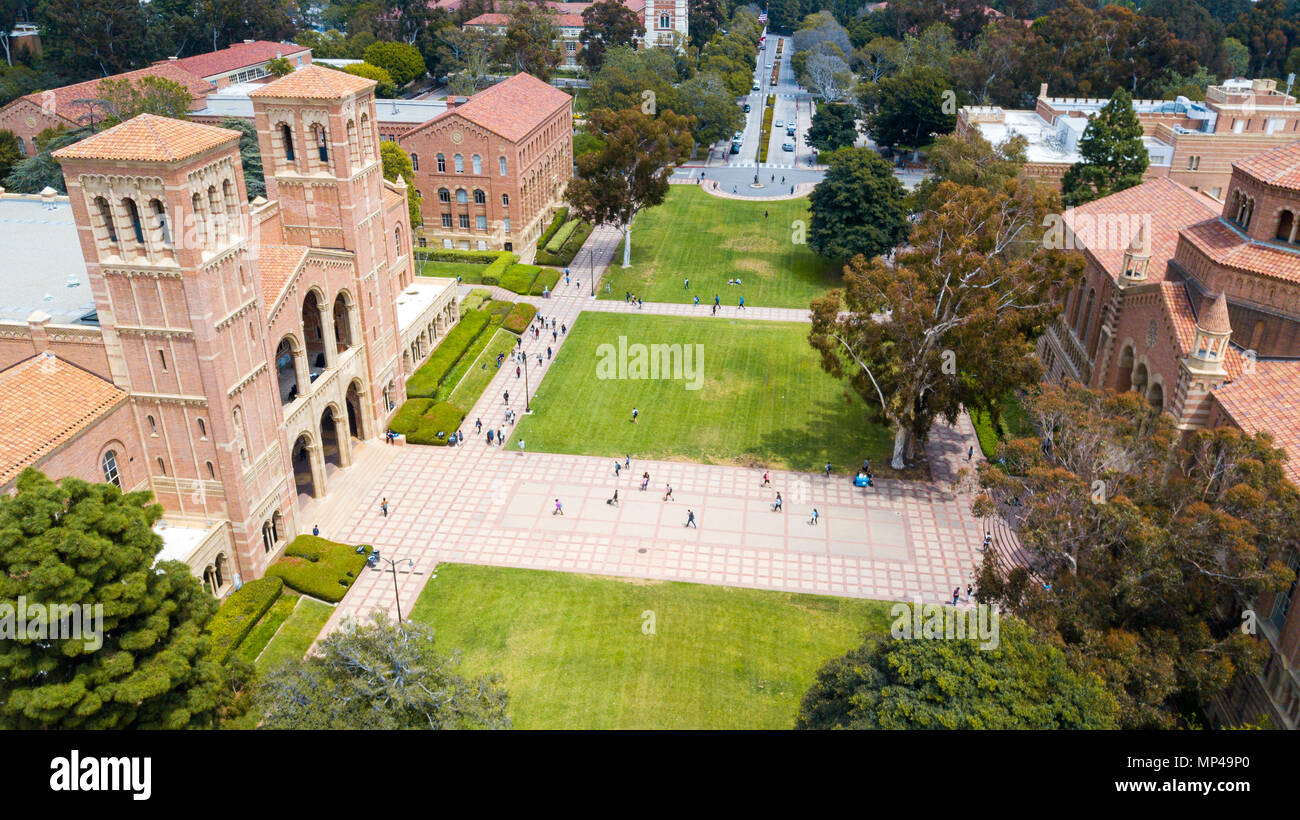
574,656
257,640
318,567
479,374
764,399
469,272
711,240
298,633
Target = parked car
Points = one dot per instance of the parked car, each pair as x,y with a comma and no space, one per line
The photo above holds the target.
789,131
779,124
769,66
756,88
789,146
746,108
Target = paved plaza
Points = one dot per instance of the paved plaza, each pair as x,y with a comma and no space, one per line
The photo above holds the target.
493,505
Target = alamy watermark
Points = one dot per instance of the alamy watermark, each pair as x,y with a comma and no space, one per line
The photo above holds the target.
918,621
681,362
25,621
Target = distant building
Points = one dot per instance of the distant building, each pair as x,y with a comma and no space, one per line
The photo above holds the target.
243,62
1192,142
659,18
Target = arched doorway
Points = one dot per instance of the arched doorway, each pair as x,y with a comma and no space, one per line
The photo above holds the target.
356,426
1125,382
343,322
313,333
1156,395
288,361
304,474
334,448
1140,378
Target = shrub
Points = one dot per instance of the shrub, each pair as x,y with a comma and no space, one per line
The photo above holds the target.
518,319
407,419
519,278
498,310
453,255
445,418
545,281
240,613
559,219
424,382
493,273
562,236
570,249
318,567
475,299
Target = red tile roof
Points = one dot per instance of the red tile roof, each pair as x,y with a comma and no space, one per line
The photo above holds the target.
1268,399
1215,319
276,265
1280,166
1105,227
314,82
149,138
1225,246
66,98
494,19
1179,311
233,58
44,402
512,108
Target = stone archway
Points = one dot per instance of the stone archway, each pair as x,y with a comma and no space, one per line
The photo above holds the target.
1125,380
1156,395
1140,378
358,423
308,471
336,444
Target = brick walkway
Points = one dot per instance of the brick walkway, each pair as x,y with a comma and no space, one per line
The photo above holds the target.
494,505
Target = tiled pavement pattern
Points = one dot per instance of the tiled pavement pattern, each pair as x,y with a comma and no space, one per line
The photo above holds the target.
494,505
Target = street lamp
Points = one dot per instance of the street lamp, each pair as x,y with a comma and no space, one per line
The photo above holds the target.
397,597
528,408
591,272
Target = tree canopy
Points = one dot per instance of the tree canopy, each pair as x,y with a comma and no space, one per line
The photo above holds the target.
857,208
1113,156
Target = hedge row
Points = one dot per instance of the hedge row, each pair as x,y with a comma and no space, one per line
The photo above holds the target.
545,281
520,316
570,249
475,299
421,420
240,613
424,382
519,278
562,236
318,567
498,310
453,255
559,219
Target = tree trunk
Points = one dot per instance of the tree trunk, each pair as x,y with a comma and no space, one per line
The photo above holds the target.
901,440
627,245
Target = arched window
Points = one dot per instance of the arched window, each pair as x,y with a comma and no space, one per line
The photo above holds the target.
212,471
444,195
397,239
415,162
200,231
505,200
106,214
160,215
461,196
133,215
203,429
162,468
109,465
442,164
460,163
480,198
477,163
665,21
503,166
321,142
286,141
153,425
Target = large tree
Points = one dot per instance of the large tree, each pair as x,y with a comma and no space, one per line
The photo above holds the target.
857,208
1138,544
952,322
917,683
123,99
93,38
10,154
913,105
530,40
250,156
834,126
402,62
379,675
631,170
970,159
606,24
73,544
1112,154
39,171
397,163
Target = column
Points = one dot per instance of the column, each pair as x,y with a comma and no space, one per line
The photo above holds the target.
327,331
345,439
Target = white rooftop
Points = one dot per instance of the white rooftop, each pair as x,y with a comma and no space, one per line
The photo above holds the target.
418,296
233,101
179,543
1059,143
41,267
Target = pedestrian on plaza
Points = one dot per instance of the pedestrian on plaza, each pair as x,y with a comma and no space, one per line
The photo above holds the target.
628,462
690,519
506,395
969,590
988,538
578,284
501,438
828,469
645,481
668,496
814,518
618,467
970,452
956,593
782,180
478,426
792,189
563,330
733,189
548,352
778,506
555,337
489,435
559,508
566,276
539,360
518,372
383,506
767,479
614,500
315,529
635,413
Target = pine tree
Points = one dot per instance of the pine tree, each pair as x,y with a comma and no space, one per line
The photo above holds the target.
1114,157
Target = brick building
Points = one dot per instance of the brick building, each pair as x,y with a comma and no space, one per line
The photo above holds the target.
491,171
234,354
660,20
1192,142
1195,304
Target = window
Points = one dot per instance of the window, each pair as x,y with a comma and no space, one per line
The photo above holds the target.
153,425
444,195
1193,163
505,200
477,163
160,214
505,223
571,47
106,214
480,222
461,196
321,143
109,465
286,140
203,429
442,164
464,221
423,243
446,220
133,214
665,21
480,198
460,163
415,162
212,471
397,240
162,468
162,359
503,166
22,147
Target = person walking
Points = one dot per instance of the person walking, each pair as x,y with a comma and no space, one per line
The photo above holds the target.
521,447
645,481
717,300
478,426
548,353
767,479
383,506
778,506
518,371
563,330
506,396
828,469
956,594
618,467
490,436
765,214
687,283
814,518
501,438
690,519
742,303
635,413
559,508
970,590
697,300
628,462
614,500
566,276
555,337
668,496
315,529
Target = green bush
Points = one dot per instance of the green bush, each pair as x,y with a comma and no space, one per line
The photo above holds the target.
444,417
475,299
570,249
519,278
266,627
407,418
318,567
545,281
499,309
424,382
453,255
239,613
562,236
492,273
518,319
559,219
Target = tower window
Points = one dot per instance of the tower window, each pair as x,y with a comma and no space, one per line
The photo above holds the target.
415,162
286,136
442,164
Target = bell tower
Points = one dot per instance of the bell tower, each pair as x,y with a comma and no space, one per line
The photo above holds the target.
163,222
1202,369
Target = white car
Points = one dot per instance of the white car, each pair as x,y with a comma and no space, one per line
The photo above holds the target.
779,124
756,88
769,66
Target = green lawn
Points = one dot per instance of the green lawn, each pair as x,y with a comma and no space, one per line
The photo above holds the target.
469,272
480,373
711,240
297,634
261,635
574,656
764,401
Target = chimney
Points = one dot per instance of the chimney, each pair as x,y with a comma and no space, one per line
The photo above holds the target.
1042,91
36,327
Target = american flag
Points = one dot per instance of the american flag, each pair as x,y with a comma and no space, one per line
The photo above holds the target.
762,17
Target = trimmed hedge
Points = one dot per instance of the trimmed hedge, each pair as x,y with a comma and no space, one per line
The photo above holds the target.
562,236
319,567
570,249
423,419
424,382
520,316
561,216
407,418
545,281
475,299
492,273
495,262
240,613
498,309
519,278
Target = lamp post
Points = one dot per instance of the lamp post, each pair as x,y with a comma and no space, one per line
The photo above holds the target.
396,595
591,272
528,407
